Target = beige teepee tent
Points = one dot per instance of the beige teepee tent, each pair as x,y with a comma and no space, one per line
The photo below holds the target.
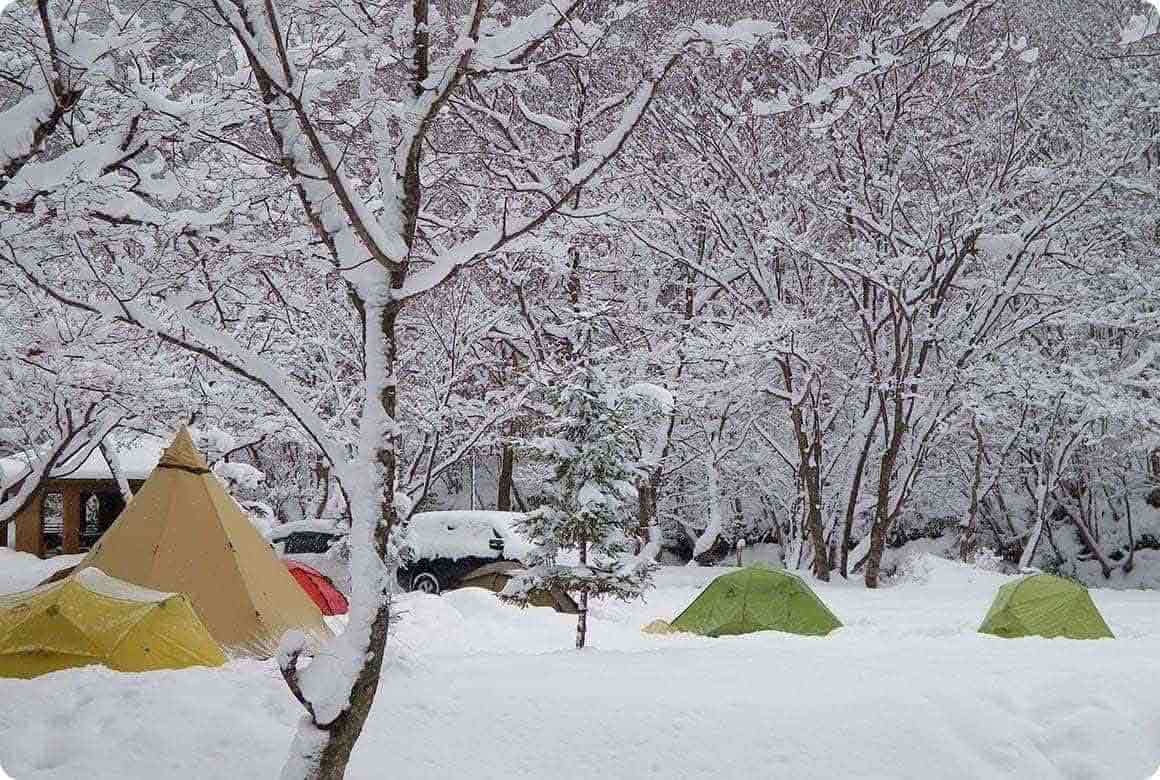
182,533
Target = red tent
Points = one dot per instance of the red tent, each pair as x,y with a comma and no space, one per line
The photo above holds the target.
328,598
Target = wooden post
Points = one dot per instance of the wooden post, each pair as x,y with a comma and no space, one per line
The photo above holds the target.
30,527
74,511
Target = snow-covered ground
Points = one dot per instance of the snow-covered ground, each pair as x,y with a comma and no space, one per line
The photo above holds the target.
906,690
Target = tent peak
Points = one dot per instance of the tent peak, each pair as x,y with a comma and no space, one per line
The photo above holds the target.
182,454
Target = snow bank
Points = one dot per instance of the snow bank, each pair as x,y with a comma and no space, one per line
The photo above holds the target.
906,686
1144,574
98,724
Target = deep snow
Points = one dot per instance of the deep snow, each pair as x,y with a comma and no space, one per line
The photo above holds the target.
906,690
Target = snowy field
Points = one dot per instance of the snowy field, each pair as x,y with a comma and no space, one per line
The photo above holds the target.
906,690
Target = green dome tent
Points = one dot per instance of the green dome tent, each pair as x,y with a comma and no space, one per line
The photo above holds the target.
757,599
1047,606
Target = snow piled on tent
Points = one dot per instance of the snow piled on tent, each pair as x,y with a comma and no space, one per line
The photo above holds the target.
96,581
23,571
906,686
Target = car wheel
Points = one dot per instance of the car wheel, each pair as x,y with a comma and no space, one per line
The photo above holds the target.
425,583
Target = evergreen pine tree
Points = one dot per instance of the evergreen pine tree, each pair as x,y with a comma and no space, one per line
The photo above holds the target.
589,438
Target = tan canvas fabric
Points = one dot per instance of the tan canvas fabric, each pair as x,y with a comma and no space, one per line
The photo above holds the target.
182,533
495,577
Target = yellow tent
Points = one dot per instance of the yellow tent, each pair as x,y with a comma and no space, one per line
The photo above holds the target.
183,533
91,618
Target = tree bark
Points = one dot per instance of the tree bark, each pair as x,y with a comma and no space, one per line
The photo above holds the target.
322,749
809,476
1091,543
503,498
582,616
875,553
883,513
646,507
1130,562
852,502
967,542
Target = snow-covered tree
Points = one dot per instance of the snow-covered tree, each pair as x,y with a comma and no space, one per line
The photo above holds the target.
584,538
353,156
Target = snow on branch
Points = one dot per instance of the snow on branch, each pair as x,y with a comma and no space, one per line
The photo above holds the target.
207,341
75,441
636,102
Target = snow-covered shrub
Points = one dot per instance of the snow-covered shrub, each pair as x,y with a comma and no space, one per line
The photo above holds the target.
988,560
261,515
915,567
240,477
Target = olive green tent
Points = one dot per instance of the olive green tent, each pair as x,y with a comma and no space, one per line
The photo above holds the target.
757,599
1043,605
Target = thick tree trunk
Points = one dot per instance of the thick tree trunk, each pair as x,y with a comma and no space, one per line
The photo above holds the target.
339,737
821,558
809,475
883,513
707,540
874,555
646,506
322,749
507,460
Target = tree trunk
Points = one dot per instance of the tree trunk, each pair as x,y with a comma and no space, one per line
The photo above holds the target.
809,476
967,543
1036,530
582,616
648,488
646,506
582,620
1092,544
883,513
322,750
503,498
821,558
855,491
874,555
1129,562
707,540
338,737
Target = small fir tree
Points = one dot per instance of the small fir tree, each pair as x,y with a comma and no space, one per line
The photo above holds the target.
590,441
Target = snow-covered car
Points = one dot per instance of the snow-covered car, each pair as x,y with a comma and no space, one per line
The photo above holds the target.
440,548
304,536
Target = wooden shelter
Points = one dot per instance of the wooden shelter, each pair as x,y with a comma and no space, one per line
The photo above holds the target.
77,502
